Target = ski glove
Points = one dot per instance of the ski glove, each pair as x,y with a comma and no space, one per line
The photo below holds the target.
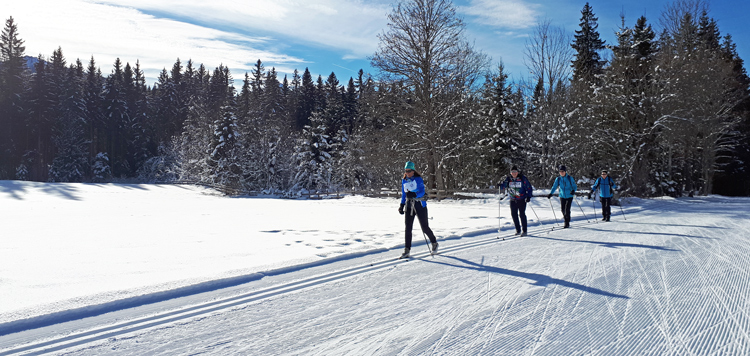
588,196
411,195
528,199
549,196
572,192
401,209
611,191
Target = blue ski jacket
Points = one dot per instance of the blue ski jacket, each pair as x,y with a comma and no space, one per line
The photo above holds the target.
414,184
518,188
606,187
566,184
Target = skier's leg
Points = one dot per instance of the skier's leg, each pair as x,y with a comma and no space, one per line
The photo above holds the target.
409,226
522,213
514,215
424,222
609,207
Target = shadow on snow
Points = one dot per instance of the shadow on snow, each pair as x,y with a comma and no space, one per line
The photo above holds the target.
539,279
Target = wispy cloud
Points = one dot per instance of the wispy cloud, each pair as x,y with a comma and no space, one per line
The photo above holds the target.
510,14
85,29
350,26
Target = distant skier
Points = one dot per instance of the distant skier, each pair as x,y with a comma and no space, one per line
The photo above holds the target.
568,188
606,187
518,188
414,199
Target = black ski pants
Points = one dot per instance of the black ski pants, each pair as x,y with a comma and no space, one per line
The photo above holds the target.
606,207
518,208
421,214
565,204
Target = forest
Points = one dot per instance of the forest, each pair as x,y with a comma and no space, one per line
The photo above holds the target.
667,113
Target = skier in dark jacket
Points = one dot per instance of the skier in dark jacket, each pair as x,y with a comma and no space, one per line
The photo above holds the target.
518,188
606,187
568,188
413,198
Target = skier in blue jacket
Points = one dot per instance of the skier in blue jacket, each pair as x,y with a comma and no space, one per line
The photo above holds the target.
413,198
519,189
606,187
568,188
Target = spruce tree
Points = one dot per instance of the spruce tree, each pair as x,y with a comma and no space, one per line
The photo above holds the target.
13,78
587,45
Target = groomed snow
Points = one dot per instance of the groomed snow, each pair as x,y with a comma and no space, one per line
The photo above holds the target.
65,246
321,278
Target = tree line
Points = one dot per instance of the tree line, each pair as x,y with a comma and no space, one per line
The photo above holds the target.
667,113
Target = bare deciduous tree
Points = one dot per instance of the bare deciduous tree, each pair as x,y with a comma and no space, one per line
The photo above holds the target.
425,48
548,54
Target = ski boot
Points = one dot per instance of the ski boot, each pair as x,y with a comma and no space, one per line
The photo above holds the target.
405,254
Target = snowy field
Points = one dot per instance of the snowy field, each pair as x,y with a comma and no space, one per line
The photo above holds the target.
93,269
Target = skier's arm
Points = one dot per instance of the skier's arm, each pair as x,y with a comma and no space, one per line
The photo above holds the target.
403,193
554,187
596,184
420,187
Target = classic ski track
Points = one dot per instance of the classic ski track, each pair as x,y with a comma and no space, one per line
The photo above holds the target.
706,339
96,334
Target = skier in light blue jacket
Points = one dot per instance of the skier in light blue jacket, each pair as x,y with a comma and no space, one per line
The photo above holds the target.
568,188
606,187
413,198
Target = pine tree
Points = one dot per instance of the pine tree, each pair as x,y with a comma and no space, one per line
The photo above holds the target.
498,143
587,45
70,162
625,113
306,100
13,77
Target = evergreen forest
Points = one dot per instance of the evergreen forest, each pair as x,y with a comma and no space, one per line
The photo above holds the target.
667,112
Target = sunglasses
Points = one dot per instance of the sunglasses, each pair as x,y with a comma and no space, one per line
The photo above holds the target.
513,171
408,171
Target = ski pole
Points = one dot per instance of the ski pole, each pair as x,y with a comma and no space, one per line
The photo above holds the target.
622,211
579,207
593,204
537,216
553,211
500,212
428,244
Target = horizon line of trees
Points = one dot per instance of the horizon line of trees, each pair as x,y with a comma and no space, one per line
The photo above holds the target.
667,114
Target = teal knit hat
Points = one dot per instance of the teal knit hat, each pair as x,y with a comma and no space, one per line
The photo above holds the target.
409,165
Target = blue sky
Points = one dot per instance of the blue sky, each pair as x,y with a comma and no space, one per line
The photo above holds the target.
323,35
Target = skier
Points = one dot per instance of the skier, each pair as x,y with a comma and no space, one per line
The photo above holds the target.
414,199
517,186
568,187
606,190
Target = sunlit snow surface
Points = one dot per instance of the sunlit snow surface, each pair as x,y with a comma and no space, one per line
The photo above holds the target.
672,279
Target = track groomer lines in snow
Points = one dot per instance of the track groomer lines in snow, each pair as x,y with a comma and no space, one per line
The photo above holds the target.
414,199
518,188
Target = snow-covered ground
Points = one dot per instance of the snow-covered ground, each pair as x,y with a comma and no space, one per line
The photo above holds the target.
158,269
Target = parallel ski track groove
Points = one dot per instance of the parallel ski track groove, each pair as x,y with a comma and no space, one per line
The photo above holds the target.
77,339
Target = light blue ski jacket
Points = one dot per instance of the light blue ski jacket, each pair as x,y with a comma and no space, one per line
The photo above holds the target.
566,184
606,187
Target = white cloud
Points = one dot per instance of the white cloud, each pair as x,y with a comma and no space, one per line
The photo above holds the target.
514,14
106,32
349,26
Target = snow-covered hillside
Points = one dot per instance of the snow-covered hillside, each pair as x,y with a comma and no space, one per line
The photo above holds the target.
320,277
